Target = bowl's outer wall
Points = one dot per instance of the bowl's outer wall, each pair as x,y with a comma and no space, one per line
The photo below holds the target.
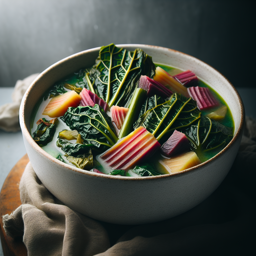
130,200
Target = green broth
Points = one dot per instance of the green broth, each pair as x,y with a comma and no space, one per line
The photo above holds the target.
78,80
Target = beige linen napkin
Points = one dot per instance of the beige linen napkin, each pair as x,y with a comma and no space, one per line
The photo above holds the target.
51,228
9,113
224,224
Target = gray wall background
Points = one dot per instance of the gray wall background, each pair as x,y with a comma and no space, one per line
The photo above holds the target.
36,33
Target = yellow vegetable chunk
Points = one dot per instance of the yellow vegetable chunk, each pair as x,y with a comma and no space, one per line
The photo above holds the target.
218,114
59,104
181,162
79,139
68,135
166,79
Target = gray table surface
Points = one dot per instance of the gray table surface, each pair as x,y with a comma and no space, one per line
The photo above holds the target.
12,147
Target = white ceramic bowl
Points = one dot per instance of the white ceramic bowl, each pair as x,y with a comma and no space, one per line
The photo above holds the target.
129,200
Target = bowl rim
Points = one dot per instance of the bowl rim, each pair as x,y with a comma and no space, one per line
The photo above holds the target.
36,147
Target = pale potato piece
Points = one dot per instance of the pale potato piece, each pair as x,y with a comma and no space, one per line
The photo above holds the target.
180,162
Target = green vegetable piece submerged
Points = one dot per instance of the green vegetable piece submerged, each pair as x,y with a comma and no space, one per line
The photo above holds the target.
207,135
118,172
55,91
58,89
114,77
145,170
45,131
78,154
73,149
59,157
82,162
94,126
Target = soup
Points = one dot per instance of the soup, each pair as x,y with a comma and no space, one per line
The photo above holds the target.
132,119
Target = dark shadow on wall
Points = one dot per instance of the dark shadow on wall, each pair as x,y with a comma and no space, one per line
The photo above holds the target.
35,34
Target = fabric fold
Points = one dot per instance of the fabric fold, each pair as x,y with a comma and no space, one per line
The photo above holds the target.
51,228
9,113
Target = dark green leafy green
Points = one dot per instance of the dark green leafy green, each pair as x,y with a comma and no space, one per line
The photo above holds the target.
93,124
80,73
145,170
73,149
74,82
118,172
79,80
78,154
45,131
151,102
56,90
59,157
187,116
160,119
117,70
206,134
90,78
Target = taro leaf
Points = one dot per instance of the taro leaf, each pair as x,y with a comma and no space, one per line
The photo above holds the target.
116,73
207,134
81,81
80,74
60,87
73,149
79,155
151,102
81,161
188,115
118,172
93,124
148,67
56,90
145,170
44,131
160,119
90,78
